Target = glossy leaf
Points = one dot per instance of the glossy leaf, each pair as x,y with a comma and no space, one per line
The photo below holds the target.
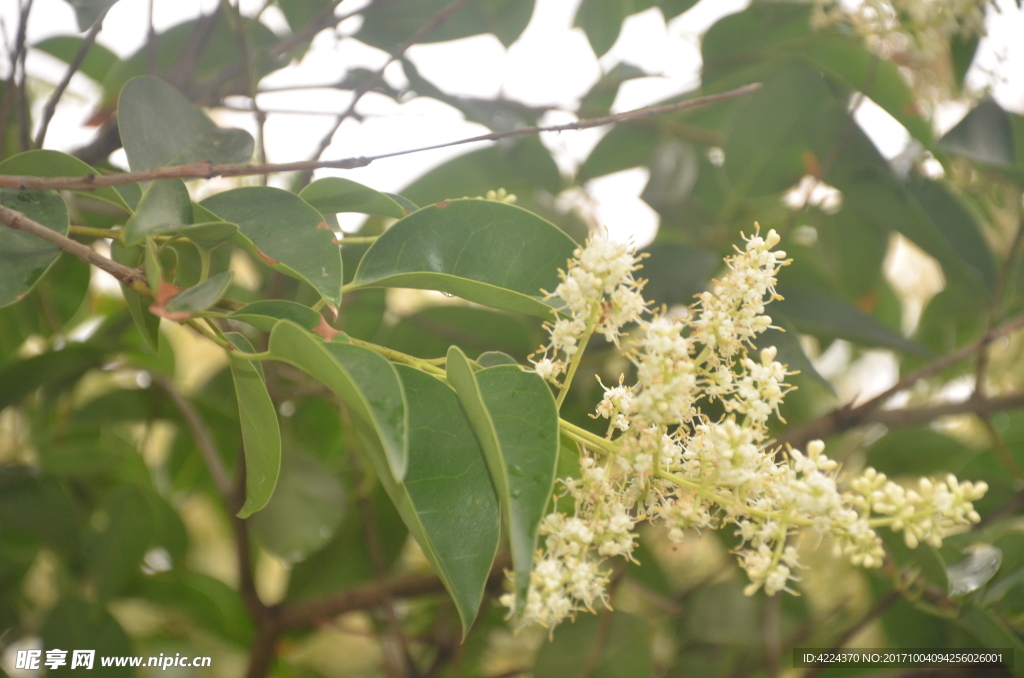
447,500
820,314
165,207
483,251
201,297
24,258
334,194
985,134
515,419
306,509
595,646
366,383
160,127
261,435
147,323
265,314
47,163
286,233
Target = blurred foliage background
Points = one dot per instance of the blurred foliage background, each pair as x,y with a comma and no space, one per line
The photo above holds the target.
904,268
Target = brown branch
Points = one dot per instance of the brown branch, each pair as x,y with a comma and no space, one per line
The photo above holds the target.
13,219
913,416
301,615
76,62
847,416
207,170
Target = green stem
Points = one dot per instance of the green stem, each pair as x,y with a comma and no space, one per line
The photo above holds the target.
399,357
91,232
319,304
205,331
574,362
204,264
359,240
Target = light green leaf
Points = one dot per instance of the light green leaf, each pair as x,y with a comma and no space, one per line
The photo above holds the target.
306,509
47,163
97,63
823,315
24,258
160,127
208,234
334,194
515,420
202,296
286,233
147,323
483,251
164,208
265,314
366,383
495,358
447,499
261,435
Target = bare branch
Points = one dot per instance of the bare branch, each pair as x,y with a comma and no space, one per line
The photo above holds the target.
206,170
14,219
76,62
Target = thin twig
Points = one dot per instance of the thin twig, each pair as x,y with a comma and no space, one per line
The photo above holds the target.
846,417
207,170
370,82
17,220
76,62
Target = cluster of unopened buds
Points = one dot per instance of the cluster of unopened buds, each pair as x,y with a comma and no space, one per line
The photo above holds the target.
664,460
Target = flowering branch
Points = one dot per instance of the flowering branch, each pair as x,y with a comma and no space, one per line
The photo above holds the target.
207,170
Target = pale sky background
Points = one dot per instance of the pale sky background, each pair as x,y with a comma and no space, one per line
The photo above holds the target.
550,64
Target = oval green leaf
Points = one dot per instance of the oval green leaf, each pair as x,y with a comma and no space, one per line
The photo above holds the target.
286,233
25,258
366,383
447,500
202,296
165,207
484,251
261,435
47,163
160,127
514,416
334,194
264,315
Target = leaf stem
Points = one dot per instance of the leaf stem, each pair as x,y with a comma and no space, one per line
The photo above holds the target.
574,361
399,357
91,232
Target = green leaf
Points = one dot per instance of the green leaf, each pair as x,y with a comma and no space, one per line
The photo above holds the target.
673,8
609,645
147,323
75,624
925,559
495,358
993,632
88,11
429,332
264,315
334,194
24,258
483,251
917,452
602,20
97,63
165,207
208,234
823,315
985,134
22,377
447,499
261,435
208,602
47,163
160,127
388,26
286,233
366,383
598,100
676,273
201,297
767,150
515,420
37,506
306,509
115,554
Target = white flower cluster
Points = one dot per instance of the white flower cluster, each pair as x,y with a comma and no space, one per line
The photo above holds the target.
663,459
890,26
600,295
